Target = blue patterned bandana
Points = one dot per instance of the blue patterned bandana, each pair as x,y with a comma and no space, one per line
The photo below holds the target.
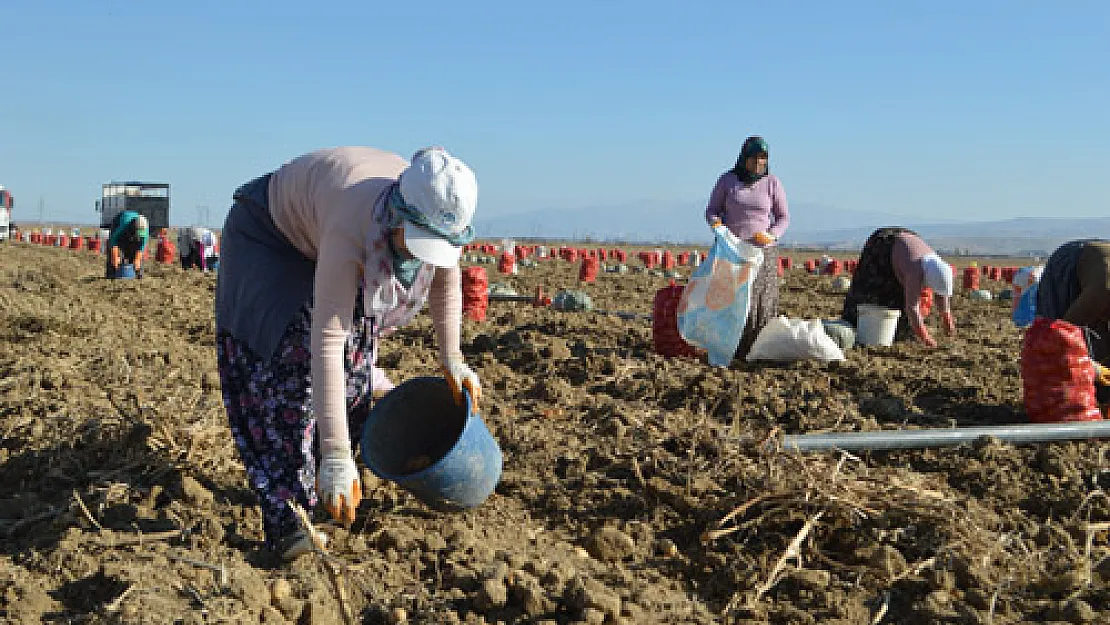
404,268
413,214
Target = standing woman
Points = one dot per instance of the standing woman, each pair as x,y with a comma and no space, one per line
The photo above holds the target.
752,203
320,259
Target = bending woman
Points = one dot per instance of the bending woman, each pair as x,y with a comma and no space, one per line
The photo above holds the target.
1075,287
893,267
322,258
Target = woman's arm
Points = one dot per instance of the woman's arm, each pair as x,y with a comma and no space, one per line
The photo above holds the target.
445,306
715,210
914,316
946,314
336,287
780,210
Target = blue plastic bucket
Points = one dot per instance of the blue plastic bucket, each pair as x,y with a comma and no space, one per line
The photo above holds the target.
126,271
417,437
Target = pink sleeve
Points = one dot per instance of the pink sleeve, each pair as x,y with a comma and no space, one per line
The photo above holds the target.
337,279
716,207
911,275
445,306
780,211
913,309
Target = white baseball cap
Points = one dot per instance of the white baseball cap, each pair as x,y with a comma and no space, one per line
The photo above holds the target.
938,275
440,194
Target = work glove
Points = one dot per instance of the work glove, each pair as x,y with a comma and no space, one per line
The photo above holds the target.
338,485
380,382
949,323
763,238
1102,375
459,376
923,335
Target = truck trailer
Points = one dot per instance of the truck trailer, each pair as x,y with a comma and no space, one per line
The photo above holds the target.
6,205
149,199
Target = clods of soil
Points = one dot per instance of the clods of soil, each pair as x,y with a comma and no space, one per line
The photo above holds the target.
636,488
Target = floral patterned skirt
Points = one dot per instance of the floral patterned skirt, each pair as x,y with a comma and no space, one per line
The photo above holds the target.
269,409
764,300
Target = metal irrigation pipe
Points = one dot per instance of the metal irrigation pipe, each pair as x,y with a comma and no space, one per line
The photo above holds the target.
940,437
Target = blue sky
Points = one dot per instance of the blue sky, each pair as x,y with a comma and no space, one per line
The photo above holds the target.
965,110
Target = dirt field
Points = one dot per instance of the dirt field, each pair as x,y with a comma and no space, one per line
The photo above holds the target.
636,489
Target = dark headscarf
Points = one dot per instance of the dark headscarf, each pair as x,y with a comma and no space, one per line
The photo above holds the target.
752,146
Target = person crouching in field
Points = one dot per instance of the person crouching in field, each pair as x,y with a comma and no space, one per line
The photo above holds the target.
1075,287
894,265
322,258
197,248
129,232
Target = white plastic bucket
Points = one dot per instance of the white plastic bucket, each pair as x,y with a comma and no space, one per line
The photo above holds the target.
876,325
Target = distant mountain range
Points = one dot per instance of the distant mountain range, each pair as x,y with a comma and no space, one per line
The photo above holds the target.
812,225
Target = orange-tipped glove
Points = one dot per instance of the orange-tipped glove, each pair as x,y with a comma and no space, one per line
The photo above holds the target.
949,323
459,376
338,484
923,335
763,238
1102,375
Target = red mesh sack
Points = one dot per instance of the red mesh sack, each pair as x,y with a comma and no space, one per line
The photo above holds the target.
1057,375
475,292
664,324
587,272
971,279
166,252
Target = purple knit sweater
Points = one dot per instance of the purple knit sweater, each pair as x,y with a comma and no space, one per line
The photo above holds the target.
747,210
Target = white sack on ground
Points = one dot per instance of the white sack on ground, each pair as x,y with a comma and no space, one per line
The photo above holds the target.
794,339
